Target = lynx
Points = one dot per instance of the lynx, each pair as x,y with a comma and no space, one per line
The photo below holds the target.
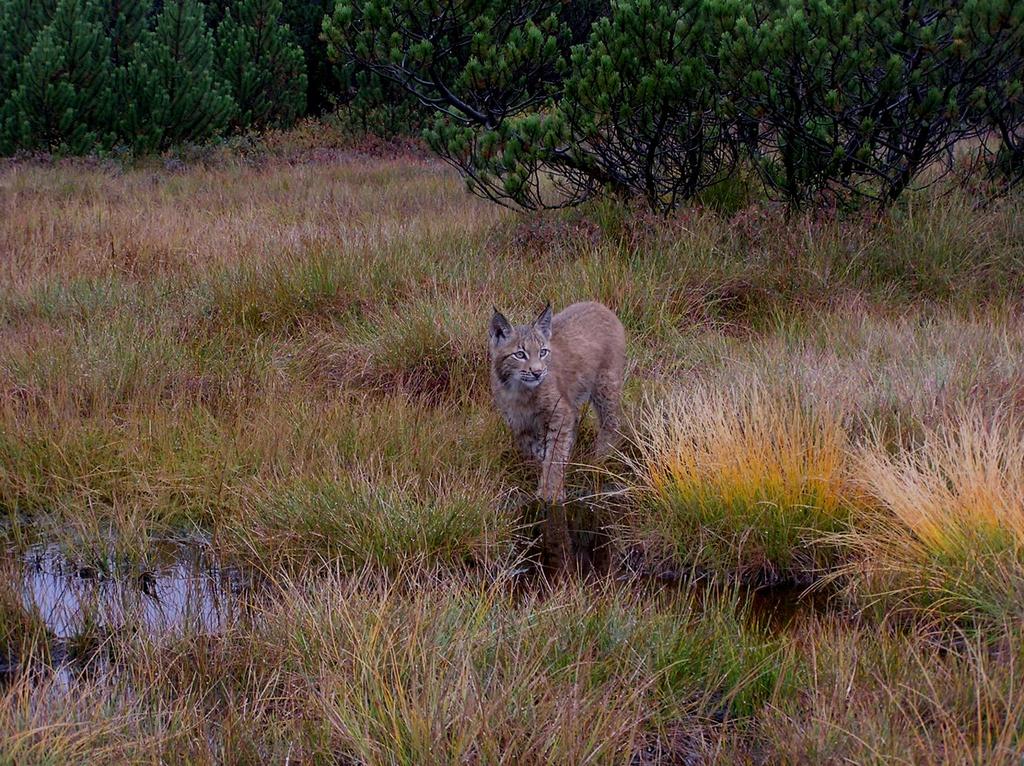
542,374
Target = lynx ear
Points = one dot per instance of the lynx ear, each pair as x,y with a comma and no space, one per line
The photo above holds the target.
500,327
543,322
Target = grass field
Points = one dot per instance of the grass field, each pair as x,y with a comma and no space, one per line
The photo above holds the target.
277,361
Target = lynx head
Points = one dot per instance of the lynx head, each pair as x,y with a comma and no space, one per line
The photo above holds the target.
520,354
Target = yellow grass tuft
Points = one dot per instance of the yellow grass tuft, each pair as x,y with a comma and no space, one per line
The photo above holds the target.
744,446
942,526
723,470
964,485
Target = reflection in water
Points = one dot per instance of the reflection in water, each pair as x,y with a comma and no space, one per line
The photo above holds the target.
182,588
81,605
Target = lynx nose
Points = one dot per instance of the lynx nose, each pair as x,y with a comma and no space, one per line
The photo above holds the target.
536,371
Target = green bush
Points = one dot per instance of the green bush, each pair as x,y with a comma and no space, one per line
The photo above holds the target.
170,90
488,69
642,98
78,76
262,64
541,105
370,105
865,95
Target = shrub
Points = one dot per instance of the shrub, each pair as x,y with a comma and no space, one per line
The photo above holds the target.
865,96
370,105
637,115
478,66
262,64
657,98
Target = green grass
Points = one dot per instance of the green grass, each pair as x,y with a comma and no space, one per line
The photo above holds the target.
415,668
373,519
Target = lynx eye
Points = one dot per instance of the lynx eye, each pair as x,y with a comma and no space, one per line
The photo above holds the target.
519,355
543,353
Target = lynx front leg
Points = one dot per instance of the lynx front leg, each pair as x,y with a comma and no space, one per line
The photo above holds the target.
558,446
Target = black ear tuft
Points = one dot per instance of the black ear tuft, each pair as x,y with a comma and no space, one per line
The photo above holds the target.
543,322
500,327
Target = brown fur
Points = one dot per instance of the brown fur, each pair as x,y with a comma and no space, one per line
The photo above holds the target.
540,396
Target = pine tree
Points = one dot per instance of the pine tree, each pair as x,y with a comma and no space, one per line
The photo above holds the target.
21,21
173,93
262,63
124,22
216,10
63,98
306,20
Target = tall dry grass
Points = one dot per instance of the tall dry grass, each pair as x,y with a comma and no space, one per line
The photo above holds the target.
961,488
744,479
879,697
284,355
418,667
943,524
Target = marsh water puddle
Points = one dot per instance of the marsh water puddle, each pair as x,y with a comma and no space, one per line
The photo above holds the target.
181,587
80,604
781,608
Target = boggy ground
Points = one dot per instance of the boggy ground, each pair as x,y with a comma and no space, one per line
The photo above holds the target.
276,362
